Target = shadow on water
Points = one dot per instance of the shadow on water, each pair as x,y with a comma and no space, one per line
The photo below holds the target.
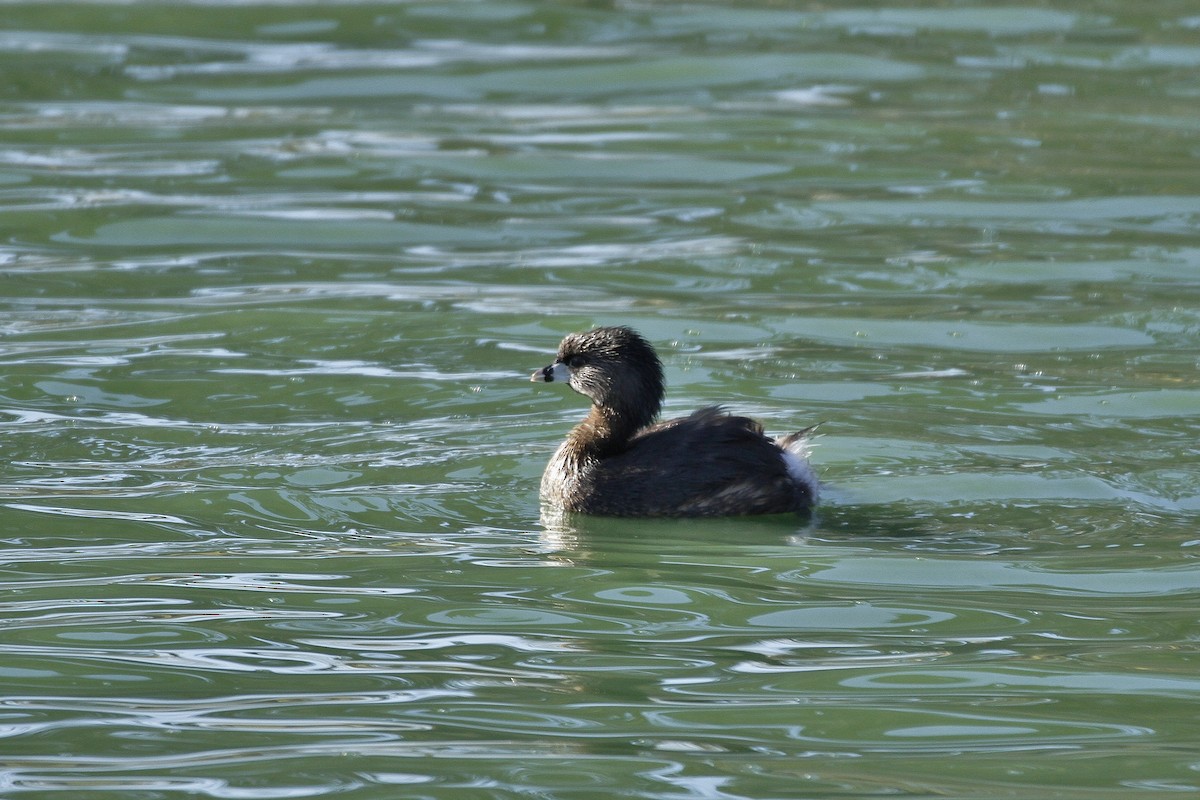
877,528
843,523
840,525
580,530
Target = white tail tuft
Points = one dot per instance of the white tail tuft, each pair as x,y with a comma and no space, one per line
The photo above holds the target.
796,449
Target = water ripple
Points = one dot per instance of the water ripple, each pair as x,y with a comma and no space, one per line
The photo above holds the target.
274,280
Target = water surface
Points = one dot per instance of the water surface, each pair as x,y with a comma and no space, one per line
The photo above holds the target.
275,274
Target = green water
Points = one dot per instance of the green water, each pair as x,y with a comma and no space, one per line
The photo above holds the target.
274,276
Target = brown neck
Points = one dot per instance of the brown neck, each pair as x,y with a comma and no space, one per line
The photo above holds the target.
602,433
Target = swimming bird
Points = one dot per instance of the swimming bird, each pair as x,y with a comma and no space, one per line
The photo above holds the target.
617,462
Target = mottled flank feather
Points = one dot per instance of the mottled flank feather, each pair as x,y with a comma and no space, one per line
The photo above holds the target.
615,463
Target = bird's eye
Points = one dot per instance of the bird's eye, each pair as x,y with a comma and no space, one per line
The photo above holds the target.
575,362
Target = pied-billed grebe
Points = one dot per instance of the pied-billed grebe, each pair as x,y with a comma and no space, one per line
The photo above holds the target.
615,463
